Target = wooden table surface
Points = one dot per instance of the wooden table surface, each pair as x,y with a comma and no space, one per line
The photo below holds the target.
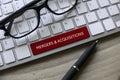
103,65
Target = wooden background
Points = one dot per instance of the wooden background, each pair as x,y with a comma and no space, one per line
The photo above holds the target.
103,65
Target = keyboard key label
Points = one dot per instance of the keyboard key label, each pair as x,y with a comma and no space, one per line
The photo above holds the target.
59,40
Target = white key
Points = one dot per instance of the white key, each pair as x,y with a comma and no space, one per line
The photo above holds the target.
92,4
29,14
28,1
7,8
23,26
101,12
33,22
1,47
53,5
114,1
96,28
6,1
43,11
68,24
1,12
22,52
18,4
20,41
103,3
81,8
58,17
8,57
8,43
1,61
56,28
44,32
18,19
71,14
91,17
118,23
13,30
85,0
2,34
46,19
119,6
113,10
33,36
80,20
109,24
63,3
73,1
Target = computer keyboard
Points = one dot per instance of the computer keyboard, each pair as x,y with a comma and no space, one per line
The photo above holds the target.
90,20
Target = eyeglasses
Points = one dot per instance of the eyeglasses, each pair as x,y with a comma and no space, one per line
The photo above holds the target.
35,7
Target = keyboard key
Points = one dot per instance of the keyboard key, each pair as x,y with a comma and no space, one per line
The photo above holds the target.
33,22
109,24
6,1
114,1
46,19
118,23
43,11
56,28
53,5
1,47
80,20
8,57
96,28
1,61
103,3
23,27
85,0
68,24
113,10
59,40
1,13
44,32
13,30
29,14
71,14
28,1
91,17
58,17
2,34
18,19
33,36
7,8
81,8
63,3
8,43
20,41
101,12
18,4
92,5
22,52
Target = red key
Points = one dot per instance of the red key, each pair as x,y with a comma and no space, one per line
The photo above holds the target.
59,40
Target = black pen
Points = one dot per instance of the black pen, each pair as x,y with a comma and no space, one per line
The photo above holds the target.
75,68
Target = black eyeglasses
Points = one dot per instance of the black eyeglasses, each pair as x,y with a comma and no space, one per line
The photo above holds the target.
35,6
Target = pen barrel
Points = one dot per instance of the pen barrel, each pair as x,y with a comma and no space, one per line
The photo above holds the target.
85,55
70,74
75,68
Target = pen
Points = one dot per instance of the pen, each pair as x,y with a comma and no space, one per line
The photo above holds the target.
75,68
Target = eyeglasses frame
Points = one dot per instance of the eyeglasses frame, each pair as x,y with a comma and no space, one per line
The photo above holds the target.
10,19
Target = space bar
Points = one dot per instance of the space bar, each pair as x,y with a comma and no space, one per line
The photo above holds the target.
59,40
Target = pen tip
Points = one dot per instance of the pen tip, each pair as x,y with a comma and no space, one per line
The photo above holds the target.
96,41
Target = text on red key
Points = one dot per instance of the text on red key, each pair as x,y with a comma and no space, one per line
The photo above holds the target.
59,40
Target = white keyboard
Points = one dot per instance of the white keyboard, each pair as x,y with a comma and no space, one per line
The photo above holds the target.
90,20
